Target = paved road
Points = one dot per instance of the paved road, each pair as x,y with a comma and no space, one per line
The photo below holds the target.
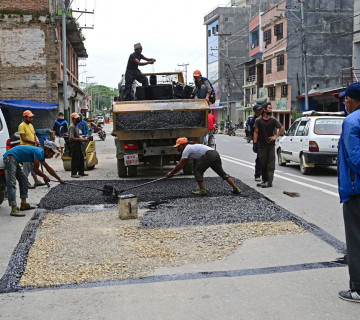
282,277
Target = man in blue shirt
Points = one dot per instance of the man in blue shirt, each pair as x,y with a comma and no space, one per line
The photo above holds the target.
349,187
13,172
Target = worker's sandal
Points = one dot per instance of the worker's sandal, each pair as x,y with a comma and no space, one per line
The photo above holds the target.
200,192
31,186
26,206
353,296
75,176
38,183
236,190
15,212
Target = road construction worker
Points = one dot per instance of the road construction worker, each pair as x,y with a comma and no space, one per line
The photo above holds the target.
13,172
60,128
132,71
251,124
207,158
28,137
77,157
203,88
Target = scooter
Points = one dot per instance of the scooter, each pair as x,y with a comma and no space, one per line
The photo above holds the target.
231,130
99,130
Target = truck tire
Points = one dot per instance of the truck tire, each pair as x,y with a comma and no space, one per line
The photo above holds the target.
189,167
132,171
122,170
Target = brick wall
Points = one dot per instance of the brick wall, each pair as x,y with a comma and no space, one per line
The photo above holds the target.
24,6
28,58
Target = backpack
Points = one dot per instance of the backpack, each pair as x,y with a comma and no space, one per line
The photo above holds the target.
212,96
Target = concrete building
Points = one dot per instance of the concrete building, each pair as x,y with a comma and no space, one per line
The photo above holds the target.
227,48
31,58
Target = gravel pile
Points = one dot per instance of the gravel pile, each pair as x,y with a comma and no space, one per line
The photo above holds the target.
160,120
81,247
165,190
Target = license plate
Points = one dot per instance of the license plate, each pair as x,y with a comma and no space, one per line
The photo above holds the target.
131,159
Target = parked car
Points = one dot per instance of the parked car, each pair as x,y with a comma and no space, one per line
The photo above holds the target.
311,141
5,144
101,119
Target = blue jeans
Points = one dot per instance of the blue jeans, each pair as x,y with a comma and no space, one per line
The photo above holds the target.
28,167
201,92
13,172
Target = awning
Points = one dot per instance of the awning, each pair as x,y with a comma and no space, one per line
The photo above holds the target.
28,104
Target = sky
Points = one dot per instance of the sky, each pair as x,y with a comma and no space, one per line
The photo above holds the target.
172,32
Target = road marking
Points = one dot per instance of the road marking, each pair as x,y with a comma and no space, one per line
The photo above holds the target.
312,180
246,162
335,194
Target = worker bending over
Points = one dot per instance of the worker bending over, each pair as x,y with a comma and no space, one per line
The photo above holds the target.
207,158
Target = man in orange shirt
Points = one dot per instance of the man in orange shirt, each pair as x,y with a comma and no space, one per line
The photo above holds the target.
211,129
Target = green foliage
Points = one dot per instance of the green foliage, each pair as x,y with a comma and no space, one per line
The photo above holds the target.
295,114
102,97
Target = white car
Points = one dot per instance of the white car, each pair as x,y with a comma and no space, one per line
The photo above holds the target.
311,141
101,119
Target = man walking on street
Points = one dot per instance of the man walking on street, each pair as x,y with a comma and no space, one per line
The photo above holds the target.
264,142
349,187
77,157
207,158
257,112
28,137
13,172
60,127
132,70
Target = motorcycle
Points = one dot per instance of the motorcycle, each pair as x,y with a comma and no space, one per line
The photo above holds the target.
99,130
216,128
230,130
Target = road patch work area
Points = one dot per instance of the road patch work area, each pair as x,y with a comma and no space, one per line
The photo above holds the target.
84,242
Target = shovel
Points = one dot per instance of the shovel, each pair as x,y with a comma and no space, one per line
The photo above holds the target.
140,185
107,191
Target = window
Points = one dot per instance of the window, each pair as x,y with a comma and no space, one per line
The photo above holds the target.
213,30
284,90
292,129
271,93
301,130
328,126
254,38
268,66
280,61
217,28
278,31
267,37
253,91
209,33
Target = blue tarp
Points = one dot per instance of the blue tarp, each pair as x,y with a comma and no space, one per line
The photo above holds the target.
28,104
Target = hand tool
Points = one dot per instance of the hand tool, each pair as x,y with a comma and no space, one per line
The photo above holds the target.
108,190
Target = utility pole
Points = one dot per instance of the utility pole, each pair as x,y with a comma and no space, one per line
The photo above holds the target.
185,67
65,4
227,93
304,54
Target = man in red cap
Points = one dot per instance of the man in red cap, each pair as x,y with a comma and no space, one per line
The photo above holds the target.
77,157
28,137
207,158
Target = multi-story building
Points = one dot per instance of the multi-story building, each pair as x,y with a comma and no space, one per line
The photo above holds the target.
31,56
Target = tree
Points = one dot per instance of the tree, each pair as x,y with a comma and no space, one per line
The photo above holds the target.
101,98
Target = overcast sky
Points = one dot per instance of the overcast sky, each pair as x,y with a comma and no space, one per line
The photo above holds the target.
170,31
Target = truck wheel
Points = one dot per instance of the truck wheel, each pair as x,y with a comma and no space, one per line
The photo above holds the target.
67,165
122,170
189,167
132,171
2,196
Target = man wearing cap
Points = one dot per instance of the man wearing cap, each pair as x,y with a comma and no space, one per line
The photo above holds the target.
203,88
60,127
348,169
257,112
132,71
207,158
28,137
77,157
13,172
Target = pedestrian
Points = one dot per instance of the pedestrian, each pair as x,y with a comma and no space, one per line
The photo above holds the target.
60,128
251,124
132,70
13,172
348,169
207,158
211,129
28,137
264,143
77,157
203,88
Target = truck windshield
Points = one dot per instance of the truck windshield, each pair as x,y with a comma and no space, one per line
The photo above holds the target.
328,126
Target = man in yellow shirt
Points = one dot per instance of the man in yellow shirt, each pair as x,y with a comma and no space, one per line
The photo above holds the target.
28,137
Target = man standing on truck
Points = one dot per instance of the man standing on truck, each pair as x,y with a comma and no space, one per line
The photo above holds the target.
13,172
28,137
207,158
203,88
132,71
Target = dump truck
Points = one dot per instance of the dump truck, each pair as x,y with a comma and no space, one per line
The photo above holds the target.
146,130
